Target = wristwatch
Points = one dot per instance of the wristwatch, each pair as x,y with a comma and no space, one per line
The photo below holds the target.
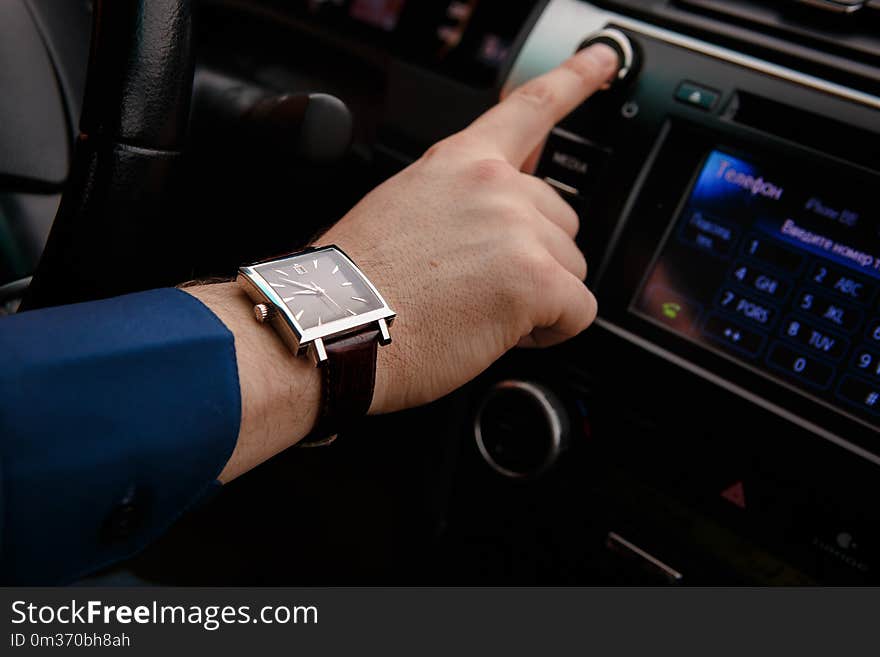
324,307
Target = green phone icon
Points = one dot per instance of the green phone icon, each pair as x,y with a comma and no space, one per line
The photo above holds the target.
671,309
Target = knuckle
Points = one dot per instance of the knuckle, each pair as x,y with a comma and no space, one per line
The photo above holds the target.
489,171
464,140
439,150
516,227
587,312
583,268
537,93
545,270
532,264
433,152
592,311
458,145
571,218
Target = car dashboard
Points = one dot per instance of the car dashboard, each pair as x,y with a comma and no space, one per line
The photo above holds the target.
720,421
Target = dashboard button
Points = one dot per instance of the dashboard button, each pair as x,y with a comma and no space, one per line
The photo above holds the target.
861,394
570,163
843,533
619,43
709,234
735,494
521,428
814,338
755,278
737,488
732,335
567,192
867,362
799,365
744,307
644,560
842,283
672,308
830,311
773,255
698,96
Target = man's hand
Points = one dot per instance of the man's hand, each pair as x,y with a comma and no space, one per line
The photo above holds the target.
474,255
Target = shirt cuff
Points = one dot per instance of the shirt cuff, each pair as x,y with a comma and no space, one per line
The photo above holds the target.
115,417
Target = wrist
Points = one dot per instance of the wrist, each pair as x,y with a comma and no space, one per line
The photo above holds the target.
280,393
379,273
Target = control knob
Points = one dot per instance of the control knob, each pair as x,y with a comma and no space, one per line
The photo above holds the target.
627,54
521,428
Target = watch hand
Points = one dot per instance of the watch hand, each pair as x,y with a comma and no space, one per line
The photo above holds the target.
324,292
286,299
313,289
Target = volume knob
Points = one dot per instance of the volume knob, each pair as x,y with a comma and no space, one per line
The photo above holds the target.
619,43
521,428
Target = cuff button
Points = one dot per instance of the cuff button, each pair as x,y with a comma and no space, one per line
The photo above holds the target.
125,519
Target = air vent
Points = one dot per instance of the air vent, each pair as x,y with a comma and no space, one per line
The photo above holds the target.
846,27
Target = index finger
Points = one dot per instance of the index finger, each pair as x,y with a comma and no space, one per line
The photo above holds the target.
516,125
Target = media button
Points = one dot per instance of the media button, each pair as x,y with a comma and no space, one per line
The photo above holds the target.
859,393
799,365
571,164
773,255
842,282
732,335
831,311
814,338
756,312
757,279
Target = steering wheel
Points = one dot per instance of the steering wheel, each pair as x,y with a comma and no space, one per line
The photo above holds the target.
114,221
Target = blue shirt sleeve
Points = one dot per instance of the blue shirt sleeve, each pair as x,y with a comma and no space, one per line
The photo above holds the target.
115,417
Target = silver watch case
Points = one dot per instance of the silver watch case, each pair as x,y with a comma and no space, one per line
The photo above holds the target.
311,341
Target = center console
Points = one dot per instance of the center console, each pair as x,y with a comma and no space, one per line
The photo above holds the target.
721,422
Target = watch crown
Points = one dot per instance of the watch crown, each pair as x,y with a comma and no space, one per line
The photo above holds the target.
263,312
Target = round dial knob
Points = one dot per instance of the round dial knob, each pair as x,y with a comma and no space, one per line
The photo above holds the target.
620,43
520,428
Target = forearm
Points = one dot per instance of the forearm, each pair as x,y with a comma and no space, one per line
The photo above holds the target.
280,393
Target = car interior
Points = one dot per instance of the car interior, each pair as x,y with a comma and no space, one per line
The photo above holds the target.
719,424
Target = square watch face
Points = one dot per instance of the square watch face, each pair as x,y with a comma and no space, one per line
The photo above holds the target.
320,288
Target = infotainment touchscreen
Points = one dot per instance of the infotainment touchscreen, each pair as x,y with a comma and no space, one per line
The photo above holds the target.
777,266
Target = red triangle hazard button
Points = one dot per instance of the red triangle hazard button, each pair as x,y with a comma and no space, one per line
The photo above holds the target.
735,494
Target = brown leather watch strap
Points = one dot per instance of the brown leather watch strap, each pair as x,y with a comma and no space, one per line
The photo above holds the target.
348,378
